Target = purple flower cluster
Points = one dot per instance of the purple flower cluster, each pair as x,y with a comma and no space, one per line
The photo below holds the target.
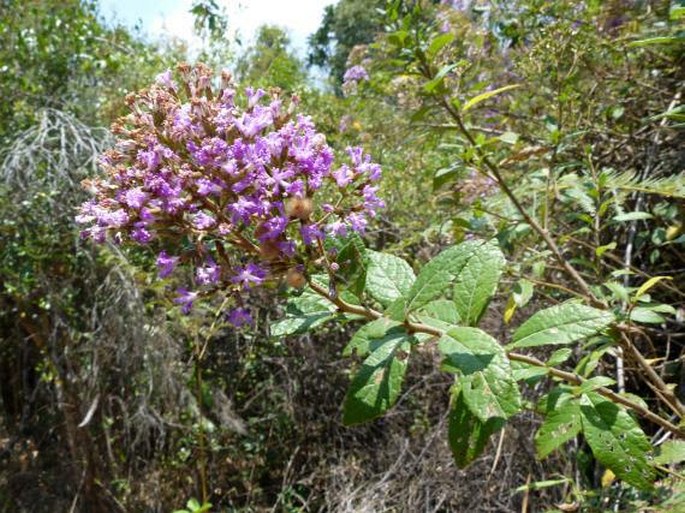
353,75
231,174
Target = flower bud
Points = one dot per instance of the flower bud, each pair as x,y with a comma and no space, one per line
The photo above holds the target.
294,278
269,250
301,208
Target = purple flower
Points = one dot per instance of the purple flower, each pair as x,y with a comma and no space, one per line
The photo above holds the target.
206,187
240,317
459,5
253,96
273,228
355,74
344,123
140,233
371,201
214,171
253,123
343,176
97,234
357,222
135,198
166,264
203,221
87,212
251,274
243,209
115,219
149,159
286,247
310,233
352,77
279,179
165,80
185,298
337,228
208,274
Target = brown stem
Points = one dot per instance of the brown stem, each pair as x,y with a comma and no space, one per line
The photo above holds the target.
569,377
664,391
530,220
669,396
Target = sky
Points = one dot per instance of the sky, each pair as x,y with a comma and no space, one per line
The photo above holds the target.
159,17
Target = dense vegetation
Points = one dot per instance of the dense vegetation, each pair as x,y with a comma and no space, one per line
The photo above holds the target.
506,333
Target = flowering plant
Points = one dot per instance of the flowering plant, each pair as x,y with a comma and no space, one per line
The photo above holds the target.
250,191
233,176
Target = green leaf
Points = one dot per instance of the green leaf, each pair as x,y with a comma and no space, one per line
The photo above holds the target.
648,285
659,40
593,384
603,249
633,216
617,112
378,383
488,94
646,316
387,277
661,308
509,310
672,451
477,282
439,273
436,82
616,440
440,314
443,310
487,380
562,422
396,311
677,11
618,290
559,356
438,43
467,434
444,175
303,313
521,293
539,485
561,324
527,372
589,362
374,330
509,137
635,398
353,263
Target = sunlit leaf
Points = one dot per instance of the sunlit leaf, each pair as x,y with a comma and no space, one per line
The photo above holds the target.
477,282
378,383
486,95
438,274
468,435
561,324
616,440
487,380
387,277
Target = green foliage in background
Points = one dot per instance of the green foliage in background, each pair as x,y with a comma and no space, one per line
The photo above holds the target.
520,297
